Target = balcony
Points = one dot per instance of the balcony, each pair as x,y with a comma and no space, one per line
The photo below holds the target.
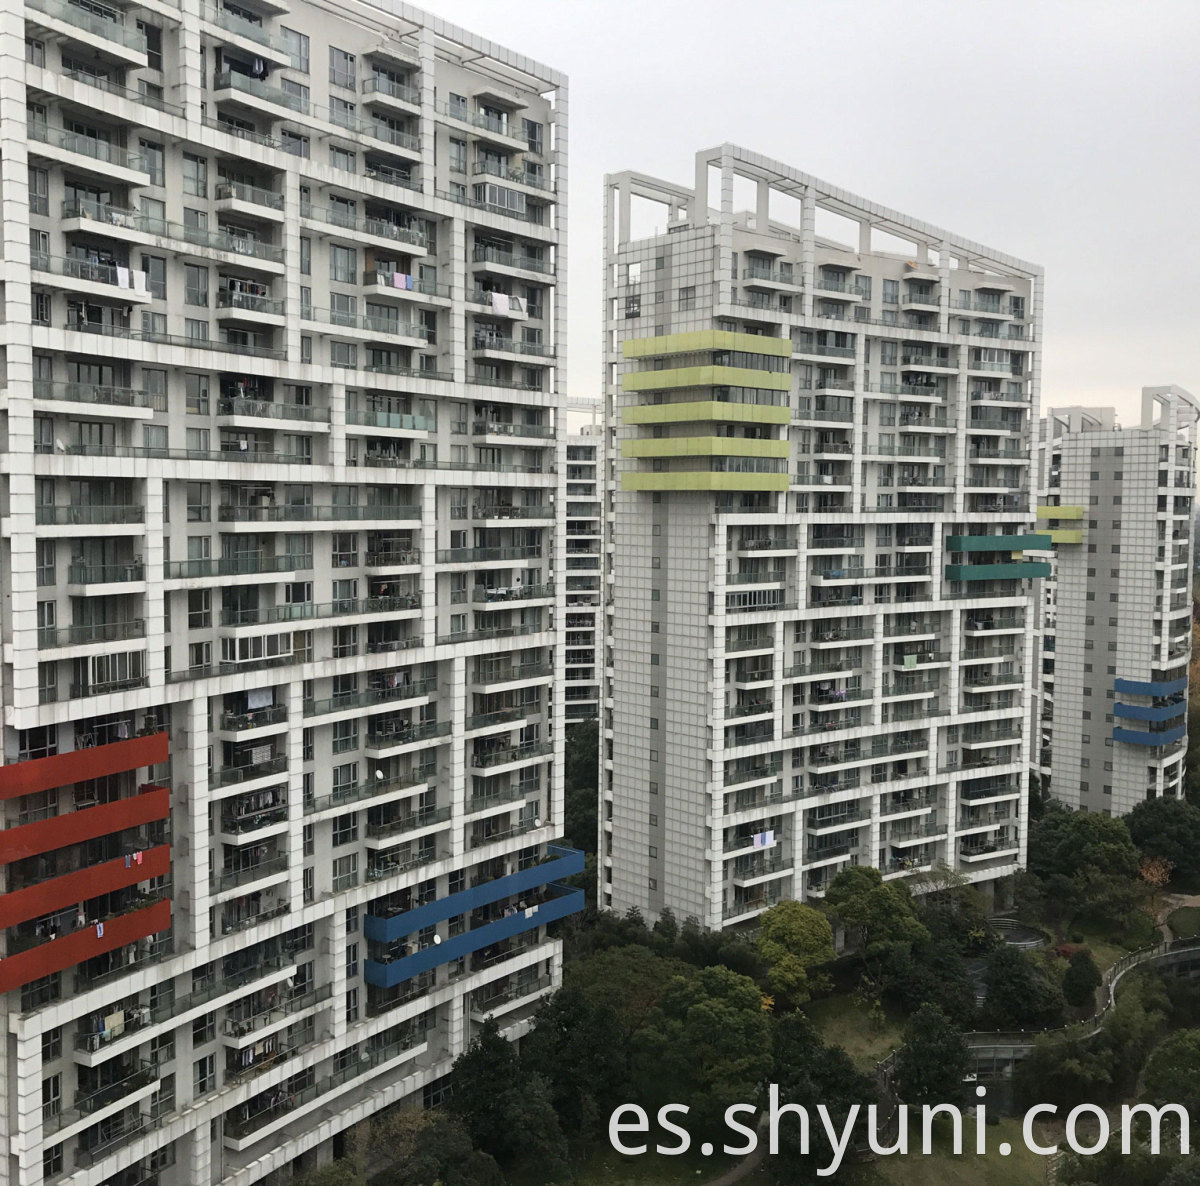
80,573
557,901
100,157
83,515
99,22
243,87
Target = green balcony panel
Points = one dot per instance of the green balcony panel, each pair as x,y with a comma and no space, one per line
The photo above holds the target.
1017,570
997,543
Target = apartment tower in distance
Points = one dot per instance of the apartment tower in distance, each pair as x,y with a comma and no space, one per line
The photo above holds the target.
1111,705
821,615
283,293
584,613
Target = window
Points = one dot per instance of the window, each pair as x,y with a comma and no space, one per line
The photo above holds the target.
52,1044
195,175
345,829
352,921
205,1075
152,161
41,308
341,68
35,52
458,155
351,1005
343,158
341,111
294,143
295,44
297,92
195,282
457,106
155,267
891,292
345,736
199,608
532,131
687,297
204,1029
195,330
153,36
52,1162
345,872
342,264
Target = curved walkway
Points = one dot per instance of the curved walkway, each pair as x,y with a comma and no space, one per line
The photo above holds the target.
1108,989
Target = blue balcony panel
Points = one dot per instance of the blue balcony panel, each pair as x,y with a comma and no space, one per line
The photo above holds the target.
1138,712
1133,687
565,862
1152,739
564,901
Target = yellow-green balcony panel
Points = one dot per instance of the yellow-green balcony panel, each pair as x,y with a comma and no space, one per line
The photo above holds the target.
1068,512
705,339
706,446
705,375
706,411
703,480
1066,535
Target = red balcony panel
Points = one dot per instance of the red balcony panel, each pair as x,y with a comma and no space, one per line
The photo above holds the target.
154,803
71,950
70,889
43,774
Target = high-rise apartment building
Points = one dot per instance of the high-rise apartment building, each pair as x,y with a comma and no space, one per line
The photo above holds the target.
283,292
1111,707
822,620
584,612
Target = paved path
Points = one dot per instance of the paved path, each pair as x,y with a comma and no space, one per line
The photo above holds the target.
749,1163
1172,902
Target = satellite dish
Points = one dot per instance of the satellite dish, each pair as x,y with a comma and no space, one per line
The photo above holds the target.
537,823
378,773
437,939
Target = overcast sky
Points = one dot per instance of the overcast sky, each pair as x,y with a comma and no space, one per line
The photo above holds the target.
1060,131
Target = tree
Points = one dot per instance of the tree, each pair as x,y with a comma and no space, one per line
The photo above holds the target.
438,1149
1081,980
708,1044
341,1171
481,1076
933,972
508,1113
795,940
1068,842
581,779
1155,873
577,1046
1019,994
932,1063
1065,1069
630,980
1170,1076
1170,829
809,1073
880,912
953,911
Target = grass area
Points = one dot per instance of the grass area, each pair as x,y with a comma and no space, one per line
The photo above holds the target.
943,1168
842,1021
1185,922
1104,951
607,1168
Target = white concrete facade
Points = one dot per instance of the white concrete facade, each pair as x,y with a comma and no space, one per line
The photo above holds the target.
584,621
1117,614
812,664
284,334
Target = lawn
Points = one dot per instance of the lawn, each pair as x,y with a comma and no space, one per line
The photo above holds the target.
1104,951
607,1168
842,1021
1185,922
943,1168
